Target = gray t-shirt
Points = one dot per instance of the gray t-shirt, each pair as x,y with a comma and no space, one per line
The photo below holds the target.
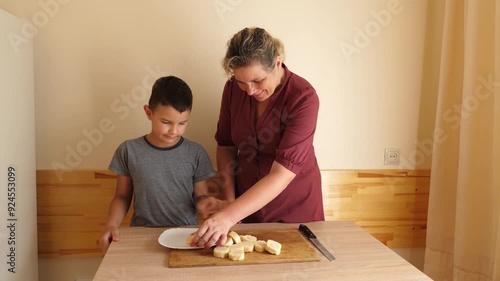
163,180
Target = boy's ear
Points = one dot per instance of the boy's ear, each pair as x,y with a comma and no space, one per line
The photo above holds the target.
148,111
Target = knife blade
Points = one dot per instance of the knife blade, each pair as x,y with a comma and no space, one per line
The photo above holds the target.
310,235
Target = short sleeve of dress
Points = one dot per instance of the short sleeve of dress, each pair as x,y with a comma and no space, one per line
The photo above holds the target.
119,163
300,115
223,133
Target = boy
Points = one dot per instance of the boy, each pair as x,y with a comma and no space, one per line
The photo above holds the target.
165,172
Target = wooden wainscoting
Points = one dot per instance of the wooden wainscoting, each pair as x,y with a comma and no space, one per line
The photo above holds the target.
389,204
72,211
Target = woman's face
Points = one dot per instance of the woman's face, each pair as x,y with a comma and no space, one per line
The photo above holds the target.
257,81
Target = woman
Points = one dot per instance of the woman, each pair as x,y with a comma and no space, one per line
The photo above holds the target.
265,132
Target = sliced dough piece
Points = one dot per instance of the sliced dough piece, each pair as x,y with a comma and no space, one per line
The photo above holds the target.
247,246
235,237
273,247
229,242
260,246
221,252
250,238
237,254
239,245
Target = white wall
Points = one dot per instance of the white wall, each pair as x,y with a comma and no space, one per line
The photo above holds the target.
18,239
365,58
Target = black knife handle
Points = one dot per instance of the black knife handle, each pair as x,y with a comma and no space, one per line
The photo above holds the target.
307,232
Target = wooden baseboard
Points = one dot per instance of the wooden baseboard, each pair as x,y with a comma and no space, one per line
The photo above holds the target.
389,204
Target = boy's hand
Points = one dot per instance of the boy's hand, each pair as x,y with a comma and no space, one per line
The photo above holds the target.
208,206
111,234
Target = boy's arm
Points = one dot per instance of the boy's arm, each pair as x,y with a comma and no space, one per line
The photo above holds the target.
117,211
200,191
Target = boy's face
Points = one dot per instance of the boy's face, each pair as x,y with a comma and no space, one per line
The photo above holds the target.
167,125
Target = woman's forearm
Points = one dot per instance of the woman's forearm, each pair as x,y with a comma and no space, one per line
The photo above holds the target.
261,193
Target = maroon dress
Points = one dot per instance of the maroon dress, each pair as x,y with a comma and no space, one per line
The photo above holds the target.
284,133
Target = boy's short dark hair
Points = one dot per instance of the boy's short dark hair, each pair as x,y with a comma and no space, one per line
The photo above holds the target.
172,91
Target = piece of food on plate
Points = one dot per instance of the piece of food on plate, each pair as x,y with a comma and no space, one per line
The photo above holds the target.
237,254
260,246
221,252
273,247
189,239
234,236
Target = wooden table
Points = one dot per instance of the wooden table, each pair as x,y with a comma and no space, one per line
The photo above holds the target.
359,256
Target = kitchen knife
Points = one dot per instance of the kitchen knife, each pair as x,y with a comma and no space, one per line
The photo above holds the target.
310,235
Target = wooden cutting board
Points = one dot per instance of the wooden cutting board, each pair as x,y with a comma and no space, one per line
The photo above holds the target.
295,248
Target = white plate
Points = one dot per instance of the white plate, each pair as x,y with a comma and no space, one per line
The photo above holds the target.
175,238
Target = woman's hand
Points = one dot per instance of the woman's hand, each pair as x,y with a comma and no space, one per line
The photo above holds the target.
213,231
215,228
111,234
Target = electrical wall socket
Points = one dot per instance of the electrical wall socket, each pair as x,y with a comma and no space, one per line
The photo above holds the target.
391,156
